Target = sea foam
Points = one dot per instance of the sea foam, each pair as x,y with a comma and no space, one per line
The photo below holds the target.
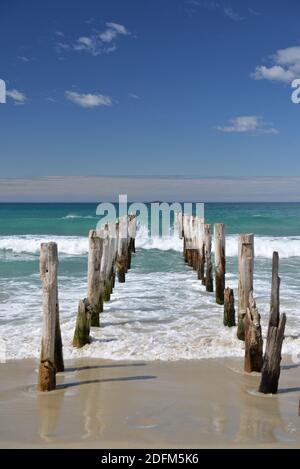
78,246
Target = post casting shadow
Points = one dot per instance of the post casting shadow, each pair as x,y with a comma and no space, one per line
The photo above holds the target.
109,380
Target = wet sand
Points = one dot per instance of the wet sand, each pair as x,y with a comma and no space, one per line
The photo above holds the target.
105,404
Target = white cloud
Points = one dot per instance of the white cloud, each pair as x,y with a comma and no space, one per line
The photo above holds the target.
50,99
254,12
62,46
284,68
248,125
119,28
17,96
88,100
22,58
85,43
216,5
133,96
233,15
98,42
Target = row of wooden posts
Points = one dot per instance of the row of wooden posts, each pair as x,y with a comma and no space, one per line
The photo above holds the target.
110,251
197,252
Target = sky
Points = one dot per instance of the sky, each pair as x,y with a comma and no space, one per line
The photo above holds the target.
160,88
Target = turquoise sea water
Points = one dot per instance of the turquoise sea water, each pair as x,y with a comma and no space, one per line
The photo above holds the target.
162,311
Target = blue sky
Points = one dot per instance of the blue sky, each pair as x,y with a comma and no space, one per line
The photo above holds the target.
155,88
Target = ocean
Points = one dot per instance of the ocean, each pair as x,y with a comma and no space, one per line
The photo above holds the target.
162,312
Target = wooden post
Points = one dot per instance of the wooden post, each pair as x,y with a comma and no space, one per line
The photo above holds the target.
48,273
229,310
246,265
121,263
83,322
253,339
58,346
200,248
185,237
195,243
179,224
109,270
220,262
104,261
94,295
272,358
209,270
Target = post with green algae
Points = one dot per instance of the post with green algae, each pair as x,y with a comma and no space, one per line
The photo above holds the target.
83,323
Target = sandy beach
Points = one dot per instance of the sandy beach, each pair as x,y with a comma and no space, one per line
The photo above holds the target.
101,404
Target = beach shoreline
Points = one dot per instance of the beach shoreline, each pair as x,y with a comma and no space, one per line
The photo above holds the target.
209,403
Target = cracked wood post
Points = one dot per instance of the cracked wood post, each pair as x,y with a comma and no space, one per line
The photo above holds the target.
229,310
220,262
94,294
246,266
83,323
272,358
48,273
209,270
253,339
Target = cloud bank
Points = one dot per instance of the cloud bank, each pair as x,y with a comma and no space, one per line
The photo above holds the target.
106,188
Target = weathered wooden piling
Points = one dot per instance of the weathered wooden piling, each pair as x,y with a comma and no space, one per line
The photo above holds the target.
253,338
220,262
104,260
209,283
272,358
200,248
83,323
229,309
246,266
131,238
94,295
110,261
48,273
58,346
121,262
